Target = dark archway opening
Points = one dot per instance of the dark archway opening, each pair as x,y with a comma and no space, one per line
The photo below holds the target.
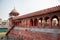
47,21
55,21
40,21
31,22
35,22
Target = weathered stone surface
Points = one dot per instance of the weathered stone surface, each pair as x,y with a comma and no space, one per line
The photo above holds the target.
29,35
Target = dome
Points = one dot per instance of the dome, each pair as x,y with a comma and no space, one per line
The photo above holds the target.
14,13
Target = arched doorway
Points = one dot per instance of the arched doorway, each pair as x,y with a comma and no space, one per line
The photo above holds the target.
40,21
20,23
47,21
31,22
35,22
55,21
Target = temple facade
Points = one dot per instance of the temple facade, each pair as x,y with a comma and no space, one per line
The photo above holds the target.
43,19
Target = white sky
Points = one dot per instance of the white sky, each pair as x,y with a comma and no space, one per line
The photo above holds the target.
24,6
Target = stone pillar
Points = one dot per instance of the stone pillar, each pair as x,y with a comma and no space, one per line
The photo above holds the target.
28,22
49,23
20,24
59,23
38,21
15,24
43,23
33,22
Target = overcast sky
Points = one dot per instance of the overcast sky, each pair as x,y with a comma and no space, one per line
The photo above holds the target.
24,6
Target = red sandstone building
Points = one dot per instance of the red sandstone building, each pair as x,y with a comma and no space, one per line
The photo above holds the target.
43,19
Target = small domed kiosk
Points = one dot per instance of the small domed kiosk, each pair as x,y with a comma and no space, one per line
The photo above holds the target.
13,13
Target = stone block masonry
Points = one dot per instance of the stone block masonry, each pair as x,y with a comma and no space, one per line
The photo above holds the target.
35,35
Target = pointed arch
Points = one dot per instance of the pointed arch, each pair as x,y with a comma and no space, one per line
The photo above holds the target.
31,22
35,22
55,20
47,21
40,21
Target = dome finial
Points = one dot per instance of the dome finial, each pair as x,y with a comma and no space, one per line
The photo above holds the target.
14,4
14,11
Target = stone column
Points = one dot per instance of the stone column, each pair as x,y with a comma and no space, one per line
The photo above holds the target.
38,22
18,23
15,23
28,22
49,23
33,22
43,23
22,23
59,23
